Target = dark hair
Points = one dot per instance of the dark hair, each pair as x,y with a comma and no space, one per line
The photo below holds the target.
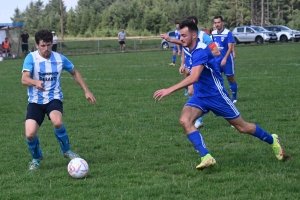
44,35
190,24
177,22
193,18
219,16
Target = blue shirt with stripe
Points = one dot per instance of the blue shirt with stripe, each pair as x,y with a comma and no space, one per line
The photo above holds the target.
210,81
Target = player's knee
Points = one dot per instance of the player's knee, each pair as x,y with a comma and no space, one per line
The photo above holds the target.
190,92
57,124
184,121
30,135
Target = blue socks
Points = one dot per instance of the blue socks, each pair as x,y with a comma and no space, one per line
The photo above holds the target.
262,135
62,138
34,148
198,143
233,87
174,58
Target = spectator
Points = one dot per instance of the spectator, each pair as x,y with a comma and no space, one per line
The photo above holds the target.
24,42
122,37
54,41
6,47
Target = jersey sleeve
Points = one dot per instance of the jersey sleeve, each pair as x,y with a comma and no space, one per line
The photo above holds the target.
199,57
206,39
230,37
67,64
28,63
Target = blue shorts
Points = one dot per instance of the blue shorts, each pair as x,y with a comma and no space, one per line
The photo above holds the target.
228,69
176,49
220,105
37,111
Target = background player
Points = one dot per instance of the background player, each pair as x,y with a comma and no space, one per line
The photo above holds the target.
177,48
224,39
41,74
209,94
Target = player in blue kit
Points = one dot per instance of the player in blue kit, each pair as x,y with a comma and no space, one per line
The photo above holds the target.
177,48
203,37
41,74
224,40
209,95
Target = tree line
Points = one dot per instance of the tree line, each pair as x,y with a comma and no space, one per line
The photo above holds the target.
104,18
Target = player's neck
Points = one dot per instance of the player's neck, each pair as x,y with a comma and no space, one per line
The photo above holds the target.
193,45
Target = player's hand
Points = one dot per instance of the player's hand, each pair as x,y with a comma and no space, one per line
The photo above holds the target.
90,97
223,63
165,36
39,85
179,53
181,69
159,94
233,54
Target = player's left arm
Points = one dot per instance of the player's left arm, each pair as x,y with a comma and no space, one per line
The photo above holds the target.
233,51
78,78
68,65
230,40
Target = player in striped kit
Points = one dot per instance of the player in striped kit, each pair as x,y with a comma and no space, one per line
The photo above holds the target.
41,74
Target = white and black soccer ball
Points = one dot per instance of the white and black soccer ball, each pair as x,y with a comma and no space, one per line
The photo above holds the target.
78,168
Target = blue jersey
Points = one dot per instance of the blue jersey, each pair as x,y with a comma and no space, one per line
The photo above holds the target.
210,82
203,37
177,35
49,71
222,40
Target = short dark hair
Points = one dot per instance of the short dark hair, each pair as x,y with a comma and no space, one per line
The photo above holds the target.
193,18
44,35
219,17
190,24
177,22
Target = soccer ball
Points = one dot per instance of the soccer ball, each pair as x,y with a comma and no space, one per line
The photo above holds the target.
78,168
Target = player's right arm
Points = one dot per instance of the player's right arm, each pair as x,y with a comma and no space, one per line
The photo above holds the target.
26,74
27,81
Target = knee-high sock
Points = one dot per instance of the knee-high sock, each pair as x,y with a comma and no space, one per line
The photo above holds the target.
173,58
198,143
263,135
34,148
62,138
234,88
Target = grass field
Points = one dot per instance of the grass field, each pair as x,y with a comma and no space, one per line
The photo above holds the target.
135,146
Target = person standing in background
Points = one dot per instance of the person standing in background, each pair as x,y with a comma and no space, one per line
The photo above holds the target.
24,41
122,38
54,41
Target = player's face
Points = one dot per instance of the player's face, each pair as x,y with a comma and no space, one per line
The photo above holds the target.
186,37
44,48
218,24
177,26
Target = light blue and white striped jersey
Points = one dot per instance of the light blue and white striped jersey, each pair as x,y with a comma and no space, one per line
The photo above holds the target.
49,71
204,37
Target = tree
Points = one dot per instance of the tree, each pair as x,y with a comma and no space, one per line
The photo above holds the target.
18,16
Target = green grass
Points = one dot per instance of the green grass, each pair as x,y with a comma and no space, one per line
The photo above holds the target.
135,146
